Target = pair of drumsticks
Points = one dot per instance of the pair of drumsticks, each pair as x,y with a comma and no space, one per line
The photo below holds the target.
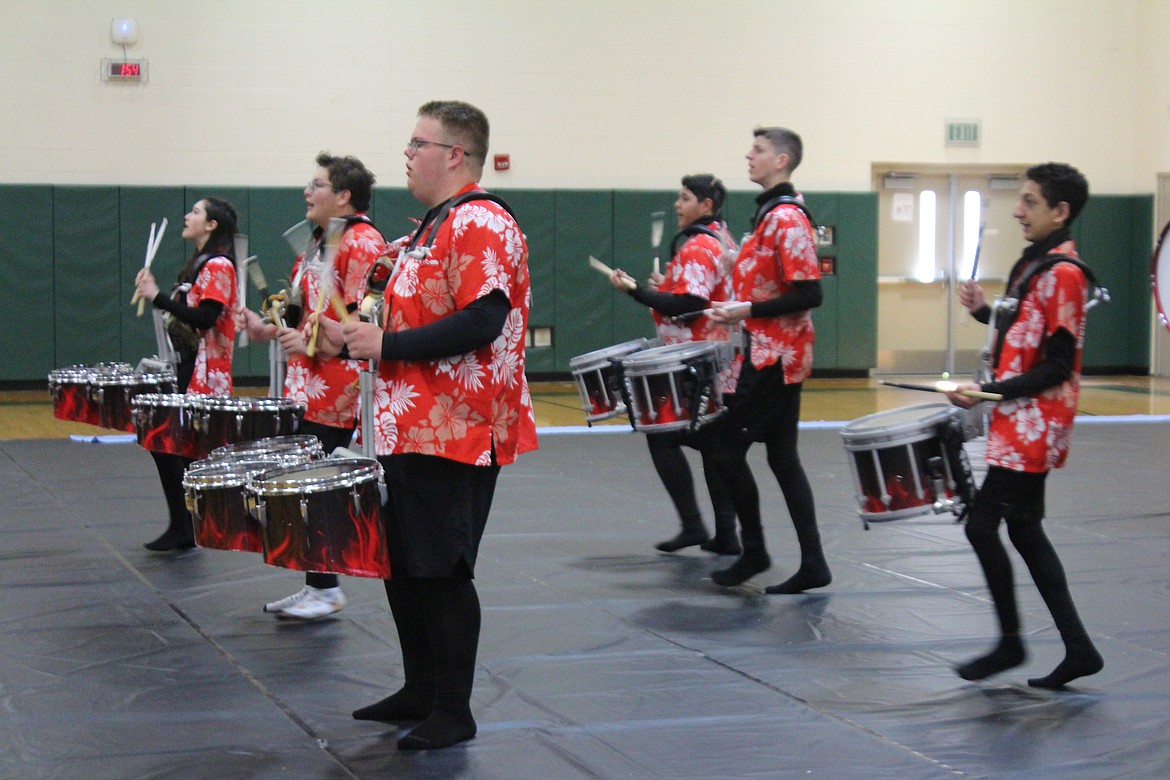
152,243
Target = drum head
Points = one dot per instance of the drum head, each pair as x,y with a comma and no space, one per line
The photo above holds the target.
318,476
602,356
219,474
236,403
897,423
1160,276
274,444
167,400
650,360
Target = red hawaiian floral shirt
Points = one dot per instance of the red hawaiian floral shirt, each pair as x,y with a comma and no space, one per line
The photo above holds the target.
328,386
460,407
213,363
780,251
1032,433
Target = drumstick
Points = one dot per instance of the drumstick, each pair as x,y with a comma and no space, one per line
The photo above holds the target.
657,220
597,265
146,264
946,387
152,250
339,307
242,289
311,347
731,307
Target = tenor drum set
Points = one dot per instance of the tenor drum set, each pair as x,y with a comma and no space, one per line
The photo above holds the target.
255,484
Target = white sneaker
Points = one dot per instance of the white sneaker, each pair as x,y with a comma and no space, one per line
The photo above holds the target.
317,603
287,601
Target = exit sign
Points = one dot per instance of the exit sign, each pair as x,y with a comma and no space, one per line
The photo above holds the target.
963,132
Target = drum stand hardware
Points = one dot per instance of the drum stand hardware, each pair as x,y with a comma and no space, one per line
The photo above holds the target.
938,477
367,381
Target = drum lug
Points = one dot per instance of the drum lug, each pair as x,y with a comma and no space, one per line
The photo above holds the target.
357,501
938,479
257,509
305,510
239,425
193,503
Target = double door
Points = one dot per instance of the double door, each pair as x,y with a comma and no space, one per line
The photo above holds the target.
932,225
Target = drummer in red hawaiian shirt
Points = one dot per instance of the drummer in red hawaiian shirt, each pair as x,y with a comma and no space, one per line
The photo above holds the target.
200,309
1037,364
453,407
777,284
326,385
693,277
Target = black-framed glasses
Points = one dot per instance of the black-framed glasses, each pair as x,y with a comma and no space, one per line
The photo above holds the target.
414,144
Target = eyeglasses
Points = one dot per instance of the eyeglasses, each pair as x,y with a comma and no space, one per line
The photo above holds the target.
414,144
317,184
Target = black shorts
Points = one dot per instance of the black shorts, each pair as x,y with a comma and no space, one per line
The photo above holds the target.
1015,496
764,408
436,513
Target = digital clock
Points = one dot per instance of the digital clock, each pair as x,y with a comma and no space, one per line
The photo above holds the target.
123,70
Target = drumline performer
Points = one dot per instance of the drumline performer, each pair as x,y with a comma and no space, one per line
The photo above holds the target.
694,276
1036,362
200,324
341,189
778,274
453,407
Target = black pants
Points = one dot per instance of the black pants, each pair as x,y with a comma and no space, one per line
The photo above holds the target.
435,519
765,409
170,474
1018,498
670,462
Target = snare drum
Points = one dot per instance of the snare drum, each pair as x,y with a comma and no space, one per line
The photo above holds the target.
598,382
111,392
216,498
232,419
674,387
323,516
165,422
899,459
69,388
308,446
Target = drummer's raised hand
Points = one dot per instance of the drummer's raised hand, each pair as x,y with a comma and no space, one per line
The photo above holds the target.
292,340
364,339
329,338
655,279
962,400
145,284
971,295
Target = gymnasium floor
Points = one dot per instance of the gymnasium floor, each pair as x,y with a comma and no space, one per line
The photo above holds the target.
600,658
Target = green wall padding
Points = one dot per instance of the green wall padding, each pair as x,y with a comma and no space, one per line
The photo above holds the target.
1113,236
87,270
27,313
584,301
69,256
